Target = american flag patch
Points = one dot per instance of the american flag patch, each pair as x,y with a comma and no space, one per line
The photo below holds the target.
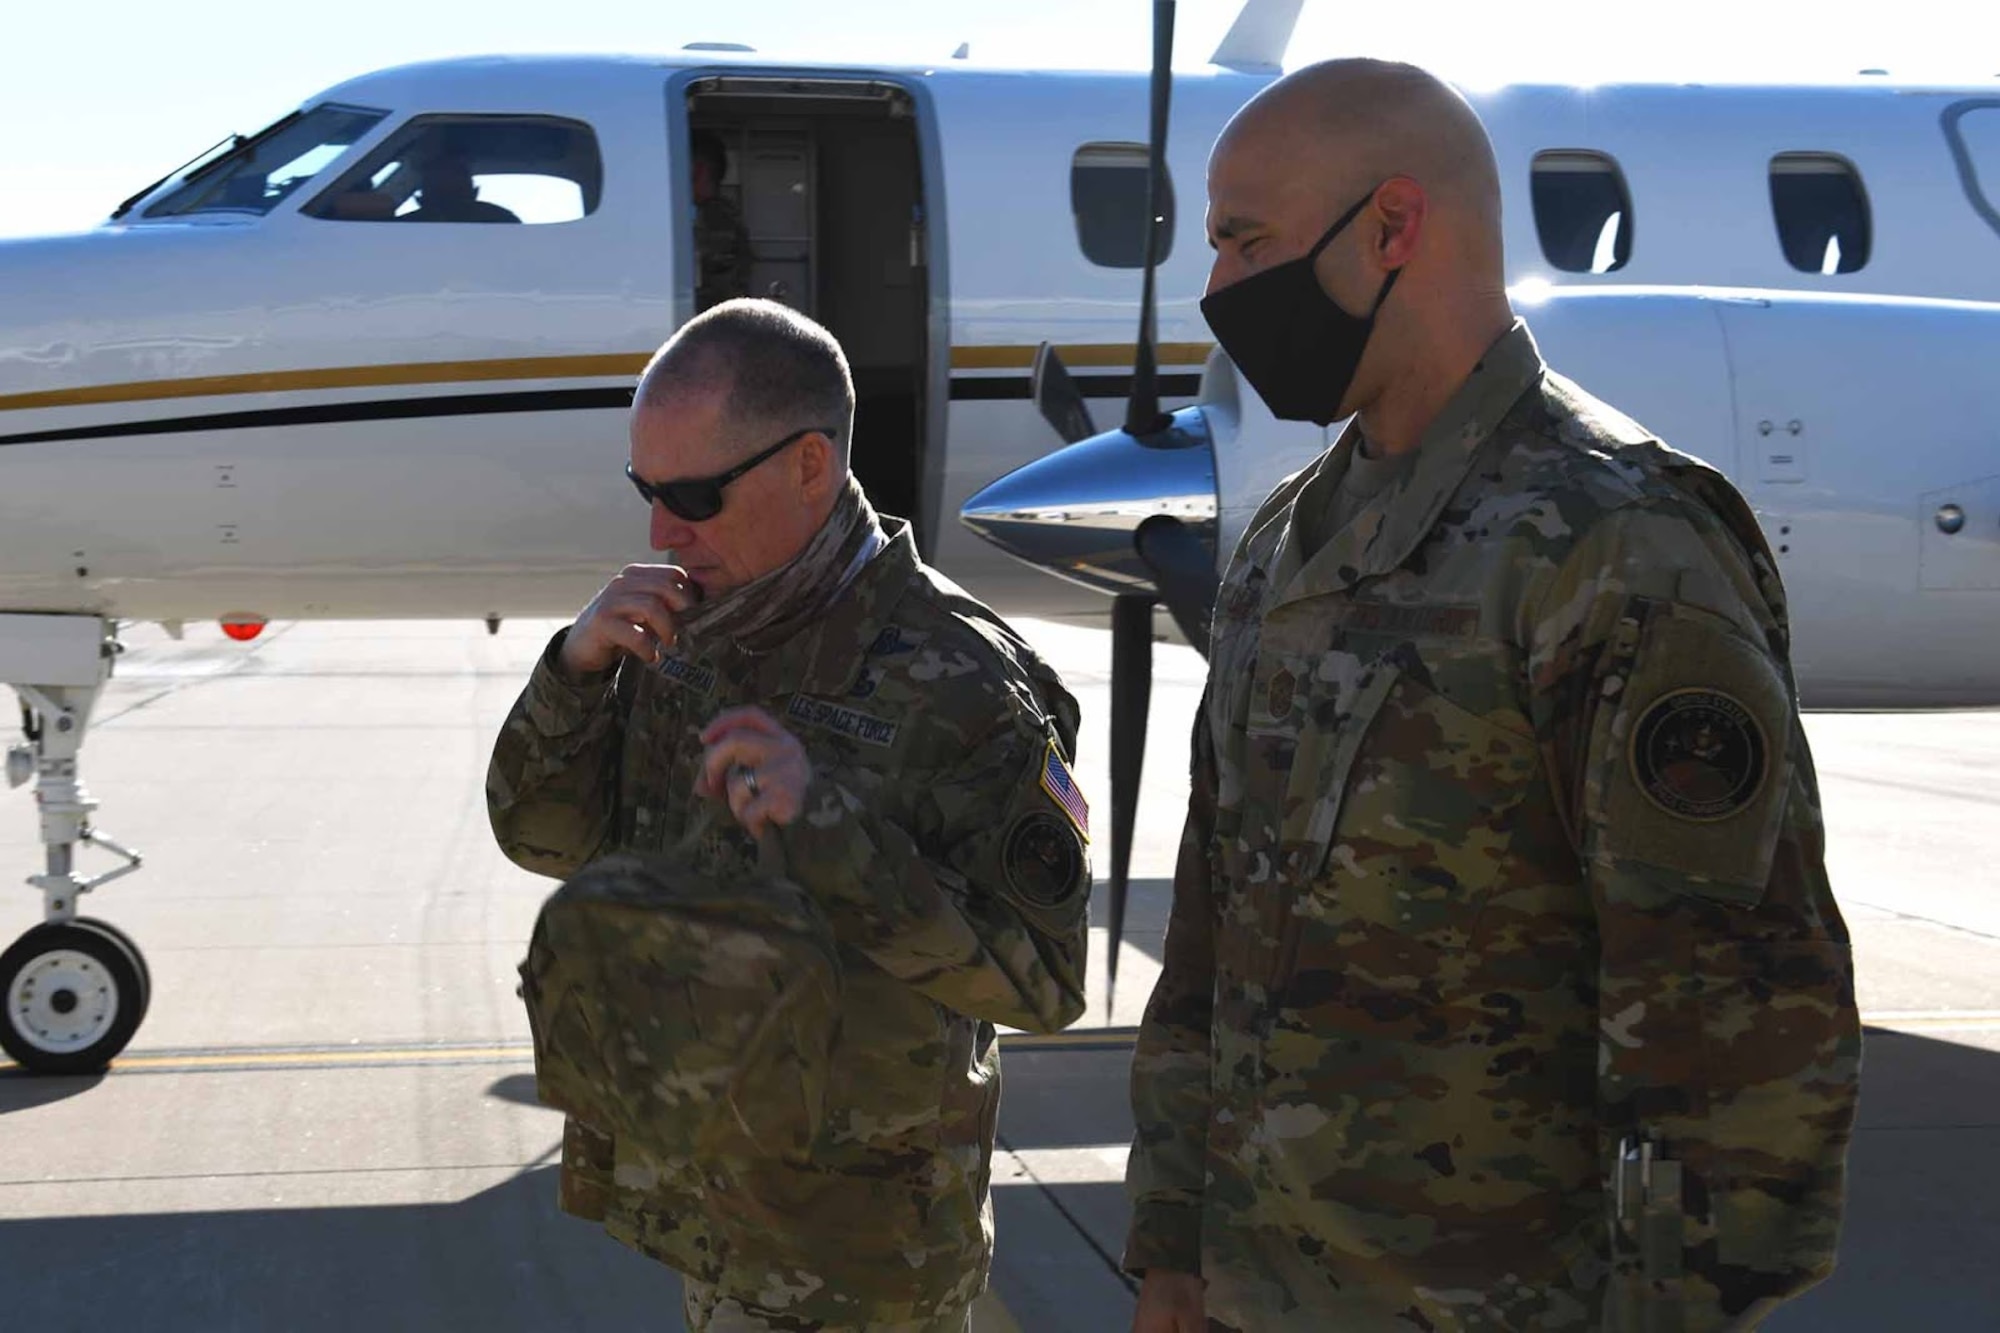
1061,786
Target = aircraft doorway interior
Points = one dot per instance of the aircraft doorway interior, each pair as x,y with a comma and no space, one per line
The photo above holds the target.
827,178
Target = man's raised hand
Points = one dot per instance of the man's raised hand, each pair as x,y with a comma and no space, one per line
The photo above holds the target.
634,613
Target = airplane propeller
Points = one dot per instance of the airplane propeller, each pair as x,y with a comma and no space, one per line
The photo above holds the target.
1179,561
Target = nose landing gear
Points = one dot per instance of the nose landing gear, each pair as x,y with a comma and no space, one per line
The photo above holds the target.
74,989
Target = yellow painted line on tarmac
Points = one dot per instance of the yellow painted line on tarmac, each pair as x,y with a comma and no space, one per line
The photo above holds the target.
1080,1039
330,1057
327,1059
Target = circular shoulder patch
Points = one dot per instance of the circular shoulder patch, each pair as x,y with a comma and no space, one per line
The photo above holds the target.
1042,858
1699,755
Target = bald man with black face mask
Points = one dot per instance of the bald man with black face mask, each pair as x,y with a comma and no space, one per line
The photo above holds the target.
1503,988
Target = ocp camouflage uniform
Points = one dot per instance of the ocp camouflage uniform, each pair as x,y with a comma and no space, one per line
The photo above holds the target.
721,253
1503,865
952,881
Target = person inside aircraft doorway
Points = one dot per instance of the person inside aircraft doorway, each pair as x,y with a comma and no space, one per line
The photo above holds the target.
814,809
721,240
1504,987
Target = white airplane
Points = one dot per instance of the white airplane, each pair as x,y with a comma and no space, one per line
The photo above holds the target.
257,392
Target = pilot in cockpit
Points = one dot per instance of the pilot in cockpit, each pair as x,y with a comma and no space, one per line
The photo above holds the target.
449,195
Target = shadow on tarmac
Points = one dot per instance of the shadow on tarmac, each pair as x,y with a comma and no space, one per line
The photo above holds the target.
503,1259
516,1088
1917,1251
22,1091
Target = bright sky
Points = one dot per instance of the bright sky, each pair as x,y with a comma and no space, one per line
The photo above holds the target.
98,97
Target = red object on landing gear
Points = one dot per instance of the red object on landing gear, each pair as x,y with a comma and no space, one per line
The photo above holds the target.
242,630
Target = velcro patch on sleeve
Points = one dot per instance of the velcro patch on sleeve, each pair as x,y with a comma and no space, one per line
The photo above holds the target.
1043,859
1695,763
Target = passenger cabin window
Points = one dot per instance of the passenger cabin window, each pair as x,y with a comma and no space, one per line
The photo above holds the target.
1973,130
262,171
508,169
1821,211
1583,212
1107,195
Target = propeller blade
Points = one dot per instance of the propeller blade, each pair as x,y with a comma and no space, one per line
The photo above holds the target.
1059,400
1142,413
1131,697
1184,571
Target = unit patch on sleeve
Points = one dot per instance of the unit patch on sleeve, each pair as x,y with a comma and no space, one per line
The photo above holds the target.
849,722
1043,859
1699,754
1061,786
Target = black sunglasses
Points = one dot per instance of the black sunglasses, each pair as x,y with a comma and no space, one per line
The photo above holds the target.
698,498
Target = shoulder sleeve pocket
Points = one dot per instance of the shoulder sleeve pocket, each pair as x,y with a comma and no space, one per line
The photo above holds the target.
1691,756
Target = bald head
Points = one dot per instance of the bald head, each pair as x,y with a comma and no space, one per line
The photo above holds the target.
1403,150
1339,129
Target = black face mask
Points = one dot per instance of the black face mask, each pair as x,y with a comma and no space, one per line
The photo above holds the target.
1296,347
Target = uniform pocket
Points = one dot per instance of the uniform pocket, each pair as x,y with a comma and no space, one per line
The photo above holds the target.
1307,720
1413,830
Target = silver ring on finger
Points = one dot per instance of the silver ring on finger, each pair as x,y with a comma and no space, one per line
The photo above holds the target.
749,776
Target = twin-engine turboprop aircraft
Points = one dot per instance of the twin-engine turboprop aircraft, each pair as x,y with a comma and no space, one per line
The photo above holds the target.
259,391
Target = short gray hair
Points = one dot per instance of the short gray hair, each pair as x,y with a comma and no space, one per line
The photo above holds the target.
779,370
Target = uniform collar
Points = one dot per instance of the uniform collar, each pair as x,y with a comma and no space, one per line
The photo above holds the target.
1391,525
854,618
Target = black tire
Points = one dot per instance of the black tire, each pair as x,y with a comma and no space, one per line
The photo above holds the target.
124,941
69,999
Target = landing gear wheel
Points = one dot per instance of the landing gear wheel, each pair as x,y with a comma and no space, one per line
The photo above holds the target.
124,941
73,997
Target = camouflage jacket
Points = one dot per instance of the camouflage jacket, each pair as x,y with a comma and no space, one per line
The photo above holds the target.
1503,987
955,886
721,253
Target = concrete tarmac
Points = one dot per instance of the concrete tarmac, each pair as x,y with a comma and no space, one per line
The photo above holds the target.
327,1121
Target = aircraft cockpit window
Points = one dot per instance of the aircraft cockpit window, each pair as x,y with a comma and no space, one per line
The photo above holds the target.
263,170
1107,193
1583,212
1821,212
507,169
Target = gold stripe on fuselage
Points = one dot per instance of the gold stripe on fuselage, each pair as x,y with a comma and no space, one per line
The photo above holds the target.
338,377
619,364
1096,356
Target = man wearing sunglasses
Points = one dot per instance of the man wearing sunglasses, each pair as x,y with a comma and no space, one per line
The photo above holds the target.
796,693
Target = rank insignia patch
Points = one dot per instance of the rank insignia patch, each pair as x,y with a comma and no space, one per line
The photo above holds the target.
1284,689
1699,754
1043,859
1061,786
